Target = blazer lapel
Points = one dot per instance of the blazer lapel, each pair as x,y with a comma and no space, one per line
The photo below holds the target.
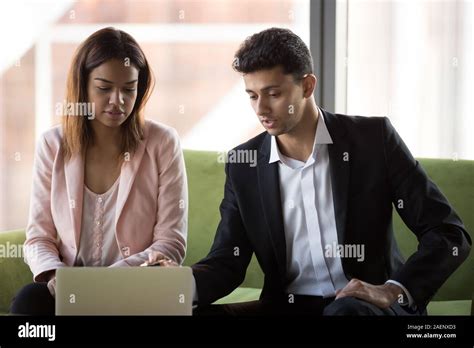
339,163
269,190
74,172
127,176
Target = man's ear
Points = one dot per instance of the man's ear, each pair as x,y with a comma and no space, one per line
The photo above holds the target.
309,85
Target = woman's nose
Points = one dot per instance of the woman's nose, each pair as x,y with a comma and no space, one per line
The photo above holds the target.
116,97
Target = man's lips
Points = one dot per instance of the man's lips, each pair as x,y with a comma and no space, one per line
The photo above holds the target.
268,123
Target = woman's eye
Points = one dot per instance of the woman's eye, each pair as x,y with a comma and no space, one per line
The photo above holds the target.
274,95
253,97
130,89
103,88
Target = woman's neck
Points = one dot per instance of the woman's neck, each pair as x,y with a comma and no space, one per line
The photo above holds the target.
106,140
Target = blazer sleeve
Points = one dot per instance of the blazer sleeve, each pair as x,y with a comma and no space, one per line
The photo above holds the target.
224,268
170,230
443,240
41,245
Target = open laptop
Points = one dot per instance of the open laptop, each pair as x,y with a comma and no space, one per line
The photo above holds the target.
124,291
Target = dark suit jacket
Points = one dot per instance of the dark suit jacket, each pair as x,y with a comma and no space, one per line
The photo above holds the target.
379,171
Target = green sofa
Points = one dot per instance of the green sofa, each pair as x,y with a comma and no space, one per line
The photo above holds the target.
206,183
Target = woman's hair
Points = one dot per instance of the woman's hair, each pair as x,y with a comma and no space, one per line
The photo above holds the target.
101,46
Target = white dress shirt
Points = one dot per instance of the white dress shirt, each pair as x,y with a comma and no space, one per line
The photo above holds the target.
308,219
98,246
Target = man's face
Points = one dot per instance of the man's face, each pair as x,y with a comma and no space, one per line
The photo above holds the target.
277,99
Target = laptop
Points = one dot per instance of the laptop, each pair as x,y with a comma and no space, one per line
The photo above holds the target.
124,291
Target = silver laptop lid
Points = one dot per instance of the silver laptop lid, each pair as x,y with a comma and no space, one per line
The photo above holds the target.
124,291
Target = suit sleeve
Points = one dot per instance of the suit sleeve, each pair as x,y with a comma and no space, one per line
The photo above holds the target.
443,241
225,266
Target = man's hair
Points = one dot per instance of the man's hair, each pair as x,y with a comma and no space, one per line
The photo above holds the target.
271,48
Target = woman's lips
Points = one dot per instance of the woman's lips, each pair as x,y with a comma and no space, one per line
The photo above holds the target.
114,114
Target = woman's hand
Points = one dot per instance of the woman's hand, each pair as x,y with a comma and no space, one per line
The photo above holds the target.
52,286
157,258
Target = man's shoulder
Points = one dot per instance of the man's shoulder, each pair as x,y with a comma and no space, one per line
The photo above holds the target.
361,129
357,121
253,144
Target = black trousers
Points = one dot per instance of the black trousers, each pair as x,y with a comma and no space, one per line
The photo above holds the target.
308,306
33,299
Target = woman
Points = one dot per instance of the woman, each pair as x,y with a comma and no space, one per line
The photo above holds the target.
109,188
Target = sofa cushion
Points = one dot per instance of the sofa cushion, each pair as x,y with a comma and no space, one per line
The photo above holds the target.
241,294
461,307
14,272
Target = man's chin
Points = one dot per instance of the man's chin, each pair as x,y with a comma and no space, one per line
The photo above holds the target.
273,131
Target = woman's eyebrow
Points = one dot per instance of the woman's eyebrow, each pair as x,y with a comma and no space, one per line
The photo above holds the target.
107,81
103,80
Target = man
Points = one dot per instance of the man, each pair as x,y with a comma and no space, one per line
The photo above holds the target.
317,208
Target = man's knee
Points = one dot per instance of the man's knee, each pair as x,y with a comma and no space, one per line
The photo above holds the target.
348,306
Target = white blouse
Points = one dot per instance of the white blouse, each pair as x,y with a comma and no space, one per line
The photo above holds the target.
98,246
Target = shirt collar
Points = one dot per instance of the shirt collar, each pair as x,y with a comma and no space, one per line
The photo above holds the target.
322,137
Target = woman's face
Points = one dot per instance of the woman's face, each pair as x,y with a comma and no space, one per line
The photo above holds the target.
112,87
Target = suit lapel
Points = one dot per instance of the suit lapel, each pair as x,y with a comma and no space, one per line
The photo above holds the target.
339,163
269,189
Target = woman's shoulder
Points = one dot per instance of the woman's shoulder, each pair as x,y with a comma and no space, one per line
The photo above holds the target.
52,138
157,132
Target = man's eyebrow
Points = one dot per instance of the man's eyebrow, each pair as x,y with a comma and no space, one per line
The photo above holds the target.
264,88
107,81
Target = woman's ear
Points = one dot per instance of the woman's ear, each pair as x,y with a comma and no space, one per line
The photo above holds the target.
309,85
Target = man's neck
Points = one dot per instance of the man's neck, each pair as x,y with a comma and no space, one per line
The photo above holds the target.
298,144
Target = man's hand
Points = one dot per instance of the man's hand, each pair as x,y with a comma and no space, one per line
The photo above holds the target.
380,295
157,258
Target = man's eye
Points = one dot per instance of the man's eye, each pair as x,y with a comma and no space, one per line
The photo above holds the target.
274,95
253,97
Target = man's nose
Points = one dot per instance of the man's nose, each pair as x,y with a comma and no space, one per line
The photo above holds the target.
262,107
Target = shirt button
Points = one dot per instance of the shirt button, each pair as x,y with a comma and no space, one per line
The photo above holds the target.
99,199
98,223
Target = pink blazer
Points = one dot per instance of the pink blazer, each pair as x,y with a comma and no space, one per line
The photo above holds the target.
151,210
